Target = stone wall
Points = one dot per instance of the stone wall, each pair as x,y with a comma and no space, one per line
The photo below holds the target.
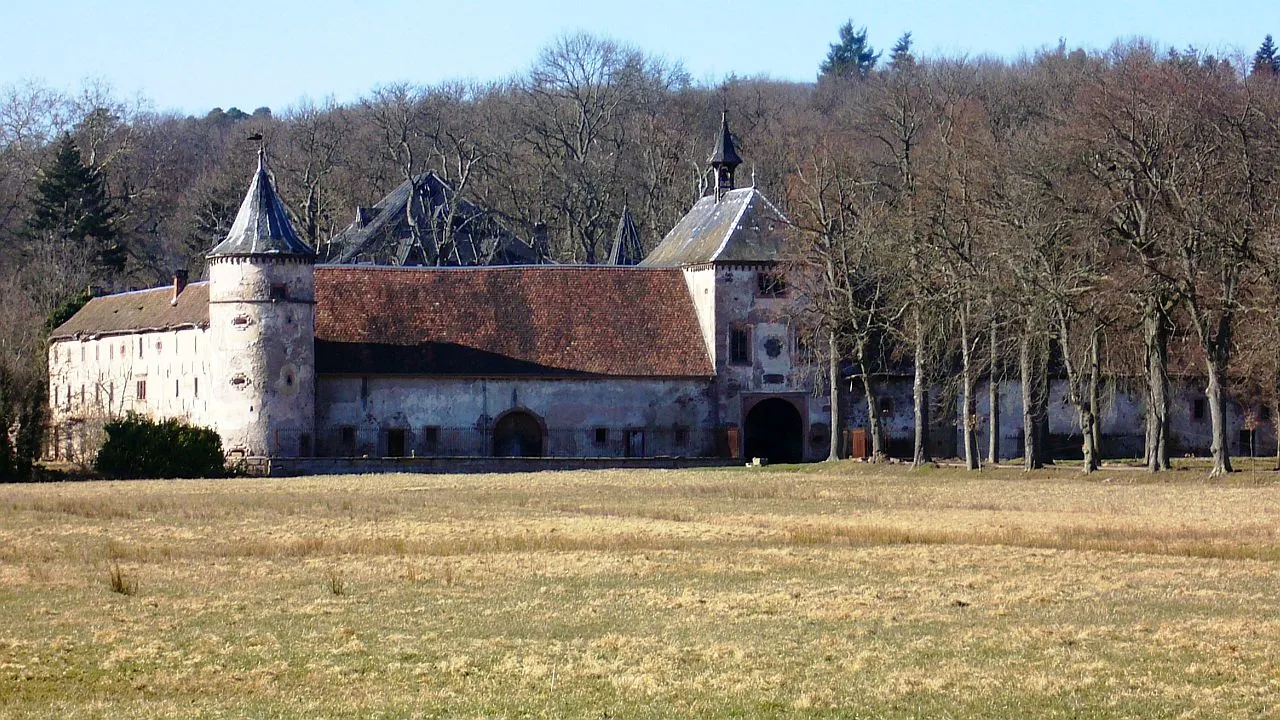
160,375
372,415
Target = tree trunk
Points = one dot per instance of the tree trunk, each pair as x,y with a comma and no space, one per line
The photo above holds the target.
969,401
920,393
1220,445
833,377
874,427
1155,335
993,403
1095,394
1032,455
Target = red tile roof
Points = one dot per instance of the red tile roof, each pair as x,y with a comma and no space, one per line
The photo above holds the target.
558,320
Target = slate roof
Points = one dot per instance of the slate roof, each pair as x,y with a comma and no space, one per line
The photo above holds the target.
262,225
626,249
725,153
742,226
559,321
381,235
139,311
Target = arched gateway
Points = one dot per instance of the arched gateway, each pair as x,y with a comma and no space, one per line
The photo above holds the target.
517,434
775,431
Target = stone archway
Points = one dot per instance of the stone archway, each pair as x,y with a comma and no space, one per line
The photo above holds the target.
518,433
774,430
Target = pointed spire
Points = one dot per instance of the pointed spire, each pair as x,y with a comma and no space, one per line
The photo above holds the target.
724,159
262,225
626,248
725,152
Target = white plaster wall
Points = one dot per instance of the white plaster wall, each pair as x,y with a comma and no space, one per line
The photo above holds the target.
464,409
701,281
93,379
263,370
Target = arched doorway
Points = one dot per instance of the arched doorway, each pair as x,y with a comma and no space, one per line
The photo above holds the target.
774,431
517,434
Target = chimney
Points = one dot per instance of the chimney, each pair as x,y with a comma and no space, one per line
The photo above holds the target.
179,284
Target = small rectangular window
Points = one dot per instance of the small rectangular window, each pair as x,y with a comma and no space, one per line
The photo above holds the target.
347,435
139,347
431,439
279,292
602,436
177,388
1197,409
142,389
739,346
681,436
195,387
770,285
886,407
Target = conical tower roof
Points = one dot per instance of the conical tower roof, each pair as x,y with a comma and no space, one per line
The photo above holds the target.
262,225
626,248
725,153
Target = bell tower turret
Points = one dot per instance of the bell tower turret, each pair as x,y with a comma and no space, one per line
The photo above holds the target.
724,158
262,327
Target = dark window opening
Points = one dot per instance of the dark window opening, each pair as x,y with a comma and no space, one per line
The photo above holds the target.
770,285
304,445
1246,441
348,437
431,439
1197,409
177,388
886,407
635,443
602,436
681,436
142,389
279,292
739,346
1265,413
195,387
396,442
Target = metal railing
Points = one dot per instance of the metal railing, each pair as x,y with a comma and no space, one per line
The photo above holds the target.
435,441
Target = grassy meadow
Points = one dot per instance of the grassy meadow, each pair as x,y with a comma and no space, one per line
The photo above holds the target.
820,591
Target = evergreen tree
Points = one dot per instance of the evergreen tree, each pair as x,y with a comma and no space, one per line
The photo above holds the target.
71,208
1266,61
852,56
900,55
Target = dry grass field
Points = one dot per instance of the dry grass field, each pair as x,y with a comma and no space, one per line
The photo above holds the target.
822,591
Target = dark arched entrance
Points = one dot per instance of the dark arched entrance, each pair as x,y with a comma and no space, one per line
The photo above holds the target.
774,431
517,434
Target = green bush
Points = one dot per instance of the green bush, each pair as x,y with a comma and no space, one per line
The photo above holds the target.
137,447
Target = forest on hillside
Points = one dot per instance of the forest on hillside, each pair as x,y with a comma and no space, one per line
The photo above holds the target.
1112,213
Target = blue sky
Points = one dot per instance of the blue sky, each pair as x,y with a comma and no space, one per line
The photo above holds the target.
190,56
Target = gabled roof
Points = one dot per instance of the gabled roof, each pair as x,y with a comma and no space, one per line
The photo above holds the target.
139,311
741,226
504,321
382,235
262,225
626,249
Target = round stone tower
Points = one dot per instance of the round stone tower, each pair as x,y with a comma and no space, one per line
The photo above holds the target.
262,330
